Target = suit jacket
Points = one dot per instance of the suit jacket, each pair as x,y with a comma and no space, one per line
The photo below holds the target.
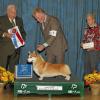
57,44
6,44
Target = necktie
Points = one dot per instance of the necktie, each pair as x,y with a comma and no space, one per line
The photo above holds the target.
13,23
43,25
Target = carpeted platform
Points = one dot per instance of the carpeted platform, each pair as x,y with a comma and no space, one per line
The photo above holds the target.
55,85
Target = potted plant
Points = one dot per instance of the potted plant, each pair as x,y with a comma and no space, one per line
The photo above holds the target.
5,78
93,80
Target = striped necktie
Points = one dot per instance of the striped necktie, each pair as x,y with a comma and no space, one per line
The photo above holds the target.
13,23
43,25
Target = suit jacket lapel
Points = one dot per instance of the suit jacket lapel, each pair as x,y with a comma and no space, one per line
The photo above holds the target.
17,22
8,22
46,23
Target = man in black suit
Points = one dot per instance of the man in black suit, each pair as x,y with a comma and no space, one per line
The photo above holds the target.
9,56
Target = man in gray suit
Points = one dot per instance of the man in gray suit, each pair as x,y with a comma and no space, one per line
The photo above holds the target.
9,56
55,42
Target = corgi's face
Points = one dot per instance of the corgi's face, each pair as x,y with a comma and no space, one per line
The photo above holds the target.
32,57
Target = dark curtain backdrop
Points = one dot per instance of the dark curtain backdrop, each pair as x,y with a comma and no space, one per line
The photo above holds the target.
72,15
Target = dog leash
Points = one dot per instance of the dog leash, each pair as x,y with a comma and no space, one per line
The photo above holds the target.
36,50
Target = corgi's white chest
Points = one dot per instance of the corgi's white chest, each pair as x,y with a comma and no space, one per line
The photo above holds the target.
36,70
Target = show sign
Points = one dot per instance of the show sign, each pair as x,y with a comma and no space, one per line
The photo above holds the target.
23,71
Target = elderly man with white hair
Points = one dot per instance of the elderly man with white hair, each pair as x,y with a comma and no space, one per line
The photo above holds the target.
9,56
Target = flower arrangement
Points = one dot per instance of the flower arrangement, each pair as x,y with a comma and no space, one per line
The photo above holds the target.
92,78
6,76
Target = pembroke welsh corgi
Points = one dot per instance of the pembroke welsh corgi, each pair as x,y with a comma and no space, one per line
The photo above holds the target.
46,69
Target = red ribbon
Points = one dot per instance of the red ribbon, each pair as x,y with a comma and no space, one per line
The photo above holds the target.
20,38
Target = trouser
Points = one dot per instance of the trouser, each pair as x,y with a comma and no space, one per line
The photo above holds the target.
9,61
56,59
91,61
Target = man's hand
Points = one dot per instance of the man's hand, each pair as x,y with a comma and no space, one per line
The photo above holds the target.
40,47
8,35
91,49
82,45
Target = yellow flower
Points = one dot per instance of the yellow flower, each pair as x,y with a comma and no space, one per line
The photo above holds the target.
5,79
91,78
2,69
5,74
98,77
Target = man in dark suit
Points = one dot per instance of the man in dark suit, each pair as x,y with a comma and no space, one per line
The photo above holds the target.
9,56
55,42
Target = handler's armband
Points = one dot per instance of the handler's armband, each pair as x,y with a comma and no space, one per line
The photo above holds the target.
45,44
53,33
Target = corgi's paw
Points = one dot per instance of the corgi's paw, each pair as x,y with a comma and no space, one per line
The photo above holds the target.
41,78
67,77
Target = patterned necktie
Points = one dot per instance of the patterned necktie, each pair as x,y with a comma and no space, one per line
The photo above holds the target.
43,25
13,23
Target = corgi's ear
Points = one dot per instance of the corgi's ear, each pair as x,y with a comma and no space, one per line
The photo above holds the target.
29,53
33,51
36,53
